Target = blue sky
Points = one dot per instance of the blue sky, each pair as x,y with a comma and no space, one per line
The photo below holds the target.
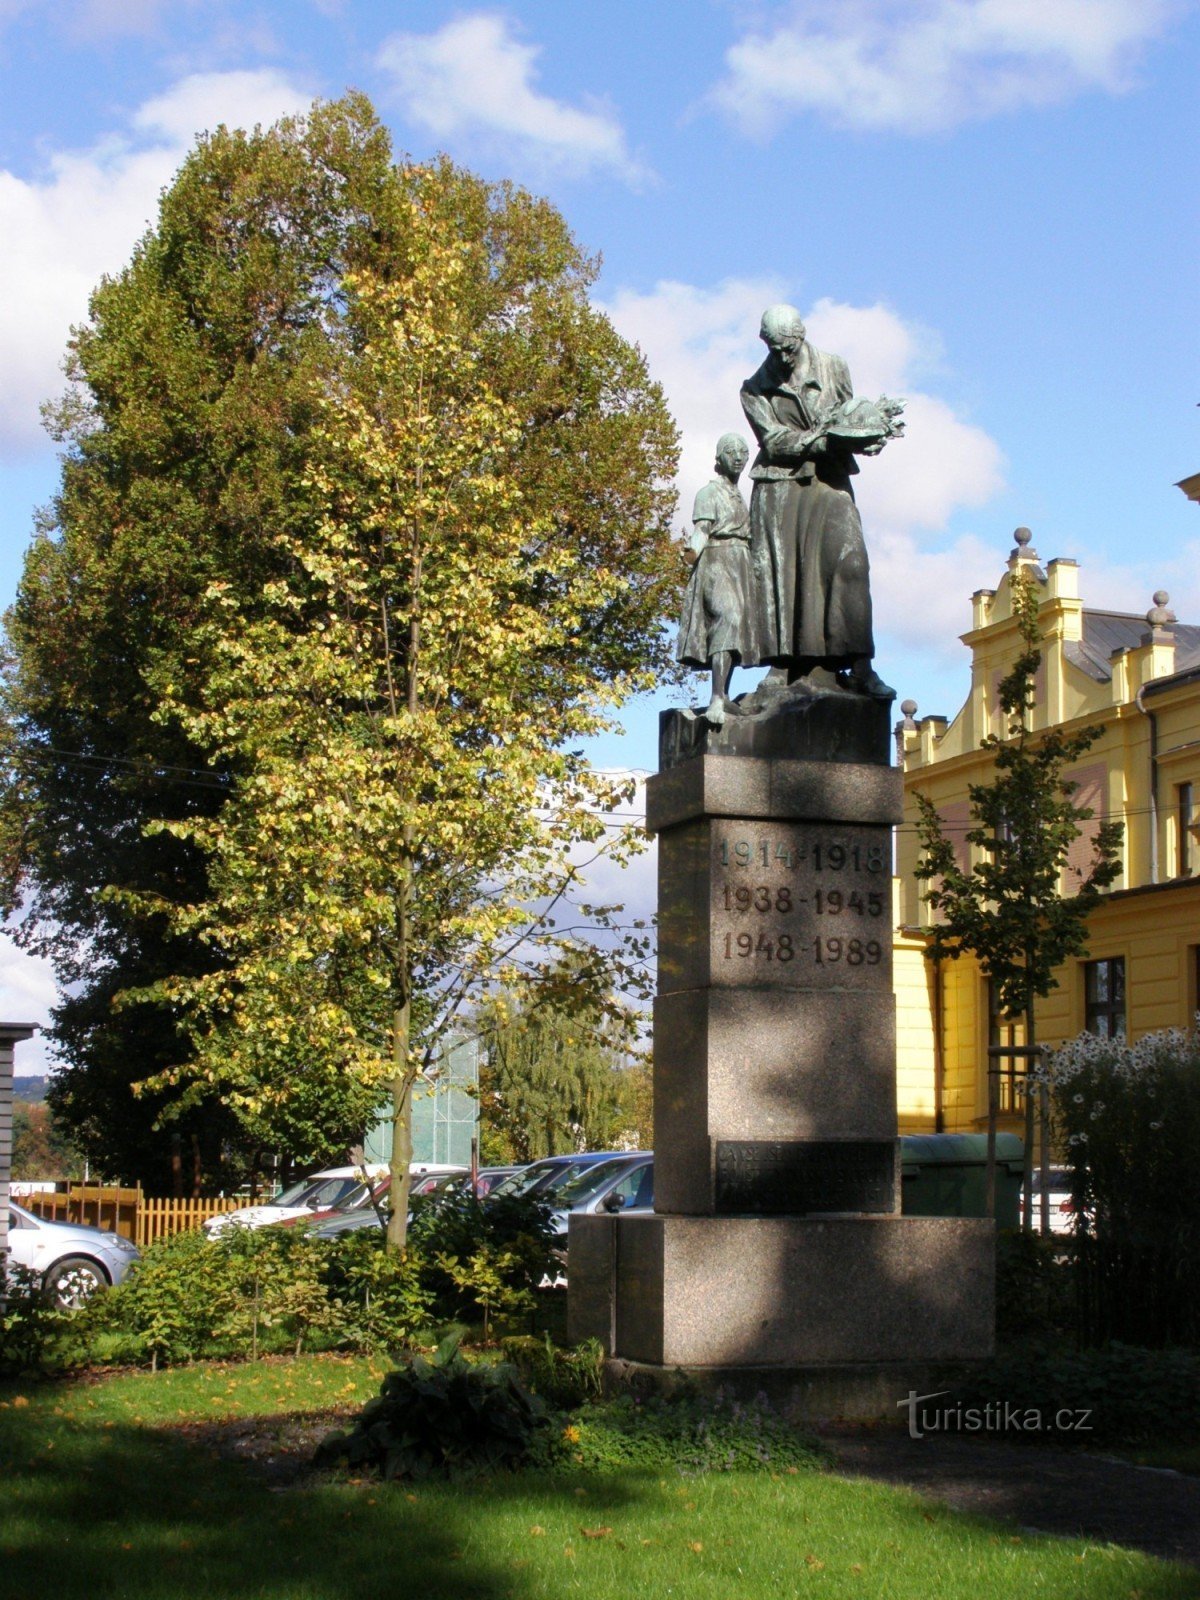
986,205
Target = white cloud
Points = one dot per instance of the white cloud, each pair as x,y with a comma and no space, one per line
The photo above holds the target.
1129,586
918,66
106,19
80,219
473,78
27,992
84,21
702,343
198,103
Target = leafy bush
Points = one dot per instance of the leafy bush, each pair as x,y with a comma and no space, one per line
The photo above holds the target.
250,1292
33,1331
564,1378
444,1416
684,1432
1035,1288
1134,1396
385,1297
276,1281
1128,1118
483,1257
173,1301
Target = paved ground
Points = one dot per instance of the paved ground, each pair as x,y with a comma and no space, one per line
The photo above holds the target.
1054,1491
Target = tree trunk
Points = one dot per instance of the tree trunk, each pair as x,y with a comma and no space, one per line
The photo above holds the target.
1027,1165
400,1165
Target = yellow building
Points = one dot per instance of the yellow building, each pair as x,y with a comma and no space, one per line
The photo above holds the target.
1139,676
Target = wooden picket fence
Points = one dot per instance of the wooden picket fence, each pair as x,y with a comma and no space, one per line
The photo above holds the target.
157,1217
142,1218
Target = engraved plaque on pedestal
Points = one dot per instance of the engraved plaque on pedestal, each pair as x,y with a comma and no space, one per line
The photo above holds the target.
760,1177
799,905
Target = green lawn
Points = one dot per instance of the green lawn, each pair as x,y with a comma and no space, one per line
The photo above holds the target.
103,1498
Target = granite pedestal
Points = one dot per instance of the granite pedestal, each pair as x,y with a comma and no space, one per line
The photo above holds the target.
777,1240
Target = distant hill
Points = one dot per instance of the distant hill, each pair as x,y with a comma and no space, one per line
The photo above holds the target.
30,1088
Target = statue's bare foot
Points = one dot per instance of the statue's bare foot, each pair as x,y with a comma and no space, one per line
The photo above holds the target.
863,679
715,715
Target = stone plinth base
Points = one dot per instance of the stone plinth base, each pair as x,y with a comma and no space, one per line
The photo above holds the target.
735,1292
829,727
872,1391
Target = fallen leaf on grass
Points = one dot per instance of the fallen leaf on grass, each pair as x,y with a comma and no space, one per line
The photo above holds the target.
695,1546
811,1562
595,1533
537,1530
569,1551
22,1400
856,1570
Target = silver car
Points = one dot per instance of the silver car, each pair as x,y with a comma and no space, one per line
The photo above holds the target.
72,1261
623,1184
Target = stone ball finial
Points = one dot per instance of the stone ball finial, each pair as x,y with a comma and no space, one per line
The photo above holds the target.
1023,537
1159,614
908,709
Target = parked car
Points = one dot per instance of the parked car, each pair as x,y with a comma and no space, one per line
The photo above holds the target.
72,1261
542,1178
1062,1207
320,1192
488,1179
623,1185
375,1211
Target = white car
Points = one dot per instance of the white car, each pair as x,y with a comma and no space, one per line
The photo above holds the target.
334,1189
72,1261
1062,1207
321,1192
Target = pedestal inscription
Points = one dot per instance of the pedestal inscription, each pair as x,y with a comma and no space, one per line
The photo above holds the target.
798,905
762,1177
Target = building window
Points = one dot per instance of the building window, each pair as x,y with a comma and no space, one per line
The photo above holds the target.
1183,826
1104,997
1007,1032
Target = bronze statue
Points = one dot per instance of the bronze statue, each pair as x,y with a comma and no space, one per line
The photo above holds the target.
718,608
812,596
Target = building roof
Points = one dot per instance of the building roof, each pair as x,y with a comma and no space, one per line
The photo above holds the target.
1106,632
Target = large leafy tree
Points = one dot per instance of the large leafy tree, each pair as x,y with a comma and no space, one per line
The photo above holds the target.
556,1078
1008,908
362,526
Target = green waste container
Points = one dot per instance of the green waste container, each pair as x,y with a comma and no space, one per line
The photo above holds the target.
945,1175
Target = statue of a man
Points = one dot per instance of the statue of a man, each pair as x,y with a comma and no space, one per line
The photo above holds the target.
718,608
811,576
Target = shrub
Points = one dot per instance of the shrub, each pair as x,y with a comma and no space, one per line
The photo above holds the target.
248,1292
685,1432
174,1300
1035,1288
564,1378
483,1257
443,1416
33,1331
276,1285
1128,1118
385,1297
1133,1396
